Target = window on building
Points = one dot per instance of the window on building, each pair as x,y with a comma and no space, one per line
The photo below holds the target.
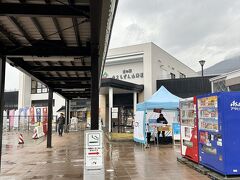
219,86
37,88
41,103
181,75
172,76
235,87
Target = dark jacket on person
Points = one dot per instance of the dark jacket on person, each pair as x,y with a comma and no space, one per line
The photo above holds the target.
162,120
61,120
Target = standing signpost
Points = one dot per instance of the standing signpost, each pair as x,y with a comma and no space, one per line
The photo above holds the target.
93,155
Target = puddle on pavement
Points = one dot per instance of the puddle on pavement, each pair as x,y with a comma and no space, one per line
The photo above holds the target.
41,177
9,162
8,146
77,160
69,176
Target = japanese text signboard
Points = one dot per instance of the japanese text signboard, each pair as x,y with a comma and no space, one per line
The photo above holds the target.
93,149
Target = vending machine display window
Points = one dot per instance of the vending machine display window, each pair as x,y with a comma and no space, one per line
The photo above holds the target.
189,134
208,113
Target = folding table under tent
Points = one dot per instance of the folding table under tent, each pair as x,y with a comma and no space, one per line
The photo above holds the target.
162,99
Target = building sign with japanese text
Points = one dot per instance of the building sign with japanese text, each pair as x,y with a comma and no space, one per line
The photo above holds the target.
129,72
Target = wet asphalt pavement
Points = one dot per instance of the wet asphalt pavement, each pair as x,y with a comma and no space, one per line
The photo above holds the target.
123,160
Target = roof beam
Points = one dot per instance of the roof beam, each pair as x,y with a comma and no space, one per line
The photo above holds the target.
75,92
75,25
61,68
67,79
43,10
70,96
76,30
39,28
76,96
83,63
21,29
68,75
9,35
72,85
37,24
73,64
57,25
50,64
45,51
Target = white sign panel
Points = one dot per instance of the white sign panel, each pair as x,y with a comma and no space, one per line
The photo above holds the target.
93,149
94,157
115,113
138,127
94,140
115,110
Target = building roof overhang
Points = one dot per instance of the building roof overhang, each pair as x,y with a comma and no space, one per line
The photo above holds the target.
122,86
54,41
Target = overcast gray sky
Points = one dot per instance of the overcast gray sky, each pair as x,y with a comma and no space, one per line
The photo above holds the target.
190,30
11,78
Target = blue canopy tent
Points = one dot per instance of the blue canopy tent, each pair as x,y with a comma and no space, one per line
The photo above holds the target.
162,99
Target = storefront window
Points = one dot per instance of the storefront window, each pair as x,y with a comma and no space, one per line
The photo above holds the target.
181,75
37,88
172,76
219,86
235,87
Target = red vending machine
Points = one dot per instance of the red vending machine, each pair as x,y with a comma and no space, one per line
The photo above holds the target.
189,129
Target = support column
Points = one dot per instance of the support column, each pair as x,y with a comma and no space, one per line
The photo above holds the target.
67,110
50,116
2,85
95,16
95,94
110,108
67,115
134,102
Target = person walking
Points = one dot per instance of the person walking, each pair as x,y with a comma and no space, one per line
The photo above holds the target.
61,122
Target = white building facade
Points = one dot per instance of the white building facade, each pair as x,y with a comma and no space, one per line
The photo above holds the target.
144,64
141,64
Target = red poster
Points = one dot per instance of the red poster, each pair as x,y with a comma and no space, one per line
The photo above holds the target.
45,119
32,118
11,117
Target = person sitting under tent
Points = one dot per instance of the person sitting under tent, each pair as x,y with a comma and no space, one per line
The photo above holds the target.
161,119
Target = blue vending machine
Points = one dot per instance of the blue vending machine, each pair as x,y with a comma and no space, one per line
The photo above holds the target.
219,132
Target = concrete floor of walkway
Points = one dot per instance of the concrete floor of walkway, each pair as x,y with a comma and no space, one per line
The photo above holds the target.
65,161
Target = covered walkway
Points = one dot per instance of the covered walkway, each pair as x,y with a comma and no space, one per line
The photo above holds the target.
122,161
62,44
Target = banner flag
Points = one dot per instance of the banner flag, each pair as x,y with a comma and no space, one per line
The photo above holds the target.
38,114
45,119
